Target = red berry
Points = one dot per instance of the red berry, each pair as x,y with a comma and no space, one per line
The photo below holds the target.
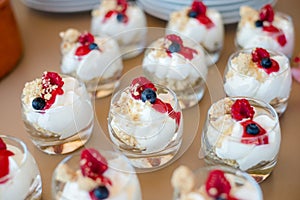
55,78
206,21
258,54
271,29
160,106
188,53
175,38
138,85
241,109
198,7
267,13
86,38
4,166
274,67
281,39
2,144
217,184
92,164
82,50
258,138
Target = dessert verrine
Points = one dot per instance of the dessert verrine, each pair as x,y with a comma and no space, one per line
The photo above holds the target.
265,28
57,113
178,63
145,123
124,21
96,61
214,182
95,175
243,133
19,174
202,24
259,74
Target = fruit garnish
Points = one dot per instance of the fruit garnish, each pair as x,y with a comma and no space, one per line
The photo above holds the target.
176,46
4,160
99,193
241,109
262,59
87,44
138,85
253,133
119,11
217,186
259,23
86,38
198,11
38,103
281,39
148,95
266,13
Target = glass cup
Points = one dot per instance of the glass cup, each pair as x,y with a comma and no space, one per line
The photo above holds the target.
249,81
149,138
130,35
186,77
243,186
24,180
65,127
226,141
125,183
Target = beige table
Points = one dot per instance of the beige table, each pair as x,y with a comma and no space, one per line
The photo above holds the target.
41,52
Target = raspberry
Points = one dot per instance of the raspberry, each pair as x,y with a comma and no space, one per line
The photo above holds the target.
266,13
206,21
82,50
241,109
257,138
86,38
2,145
274,67
138,85
4,161
217,185
120,11
271,29
55,78
198,7
281,39
258,54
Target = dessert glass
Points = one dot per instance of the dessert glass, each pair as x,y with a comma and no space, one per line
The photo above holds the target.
198,184
152,138
250,81
184,75
96,61
24,180
227,141
126,23
125,183
66,125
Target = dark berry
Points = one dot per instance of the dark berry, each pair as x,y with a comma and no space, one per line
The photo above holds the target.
120,17
148,95
220,198
192,14
101,192
266,63
259,23
174,47
38,103
93,46
252,129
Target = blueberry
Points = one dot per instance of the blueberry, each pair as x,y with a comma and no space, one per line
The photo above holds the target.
101,192
174,47
38,103
252,129
120,17
93,46
259,23
148,95
266,63
192,14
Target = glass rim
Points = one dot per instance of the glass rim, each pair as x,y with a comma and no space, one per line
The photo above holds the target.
259,102
248,51
24,157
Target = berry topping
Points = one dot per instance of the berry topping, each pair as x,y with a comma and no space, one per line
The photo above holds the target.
266,13
192,14
148,95
217,186
88,44
198,11
177,47
101,192
262,59
93,46
121,17
259,23
241,109
4,161
254,133
119,11
2,145
271,29
138,85
38,103
86,38
281,39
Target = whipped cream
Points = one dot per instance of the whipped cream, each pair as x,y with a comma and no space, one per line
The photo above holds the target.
101,63
244,78
139,125
71,112
248,35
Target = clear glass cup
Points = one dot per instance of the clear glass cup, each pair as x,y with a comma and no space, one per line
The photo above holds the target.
149,141
65,127
249,81
225,142
185,77
243,186
130,35
24,179
125,183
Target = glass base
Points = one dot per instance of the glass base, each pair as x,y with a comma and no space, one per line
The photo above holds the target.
104,90
279,105
212,57
35,192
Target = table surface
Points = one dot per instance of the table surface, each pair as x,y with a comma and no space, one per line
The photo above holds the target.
41,52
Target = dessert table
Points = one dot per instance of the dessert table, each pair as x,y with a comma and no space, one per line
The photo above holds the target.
41,51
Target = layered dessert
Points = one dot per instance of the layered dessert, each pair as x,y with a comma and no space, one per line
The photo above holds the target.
238,131
214,183
122,20
94,60
265,28
57,112
201,24
145,122
19,175
95,176
259,74
179,64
